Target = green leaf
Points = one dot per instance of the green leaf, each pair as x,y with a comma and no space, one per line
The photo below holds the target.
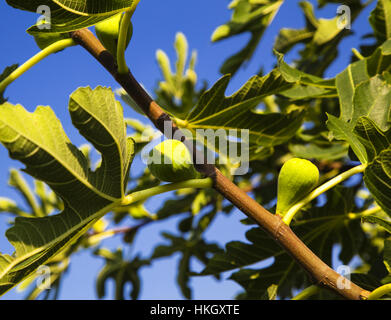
216,111
320,38
355,75
371,137
380,59
377,175
67,16
271,293
372,147
302,92
365,281
291,74
256,282
183,274
39,141
380,20
175,206
71,23
189,248
91,7
326,31
309,14
232,64
313,151
346,83
121,271
387,254
372,98
248,16
238,254
81,7
306,85
7,71
288,38
344,131
379,221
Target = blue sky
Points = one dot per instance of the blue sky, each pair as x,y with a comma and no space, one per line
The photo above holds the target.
155,25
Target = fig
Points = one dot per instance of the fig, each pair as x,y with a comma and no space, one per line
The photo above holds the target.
297,178
44,40
107,32
171,161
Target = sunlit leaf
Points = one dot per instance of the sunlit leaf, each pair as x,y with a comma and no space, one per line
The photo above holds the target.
66,15
216,111
7,71
39,141
248,16
380,19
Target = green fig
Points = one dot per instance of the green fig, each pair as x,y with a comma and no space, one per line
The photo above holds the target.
107,32
296,179
171,161
44,40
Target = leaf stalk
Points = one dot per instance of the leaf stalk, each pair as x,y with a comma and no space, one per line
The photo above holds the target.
145,194
307,292
53,48
380,292
123,34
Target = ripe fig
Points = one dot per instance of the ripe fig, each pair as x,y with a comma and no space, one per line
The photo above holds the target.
296,179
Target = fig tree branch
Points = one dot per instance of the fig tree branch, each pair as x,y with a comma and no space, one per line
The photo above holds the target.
320,273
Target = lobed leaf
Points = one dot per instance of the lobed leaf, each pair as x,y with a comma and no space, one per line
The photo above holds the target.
39,141
121,271
7,71
91,7
379,221
387,254
356,88
216,111
313,151
380,20
342,130
320,38
71,15
248,16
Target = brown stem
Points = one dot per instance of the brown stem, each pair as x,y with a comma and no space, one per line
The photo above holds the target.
319,272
